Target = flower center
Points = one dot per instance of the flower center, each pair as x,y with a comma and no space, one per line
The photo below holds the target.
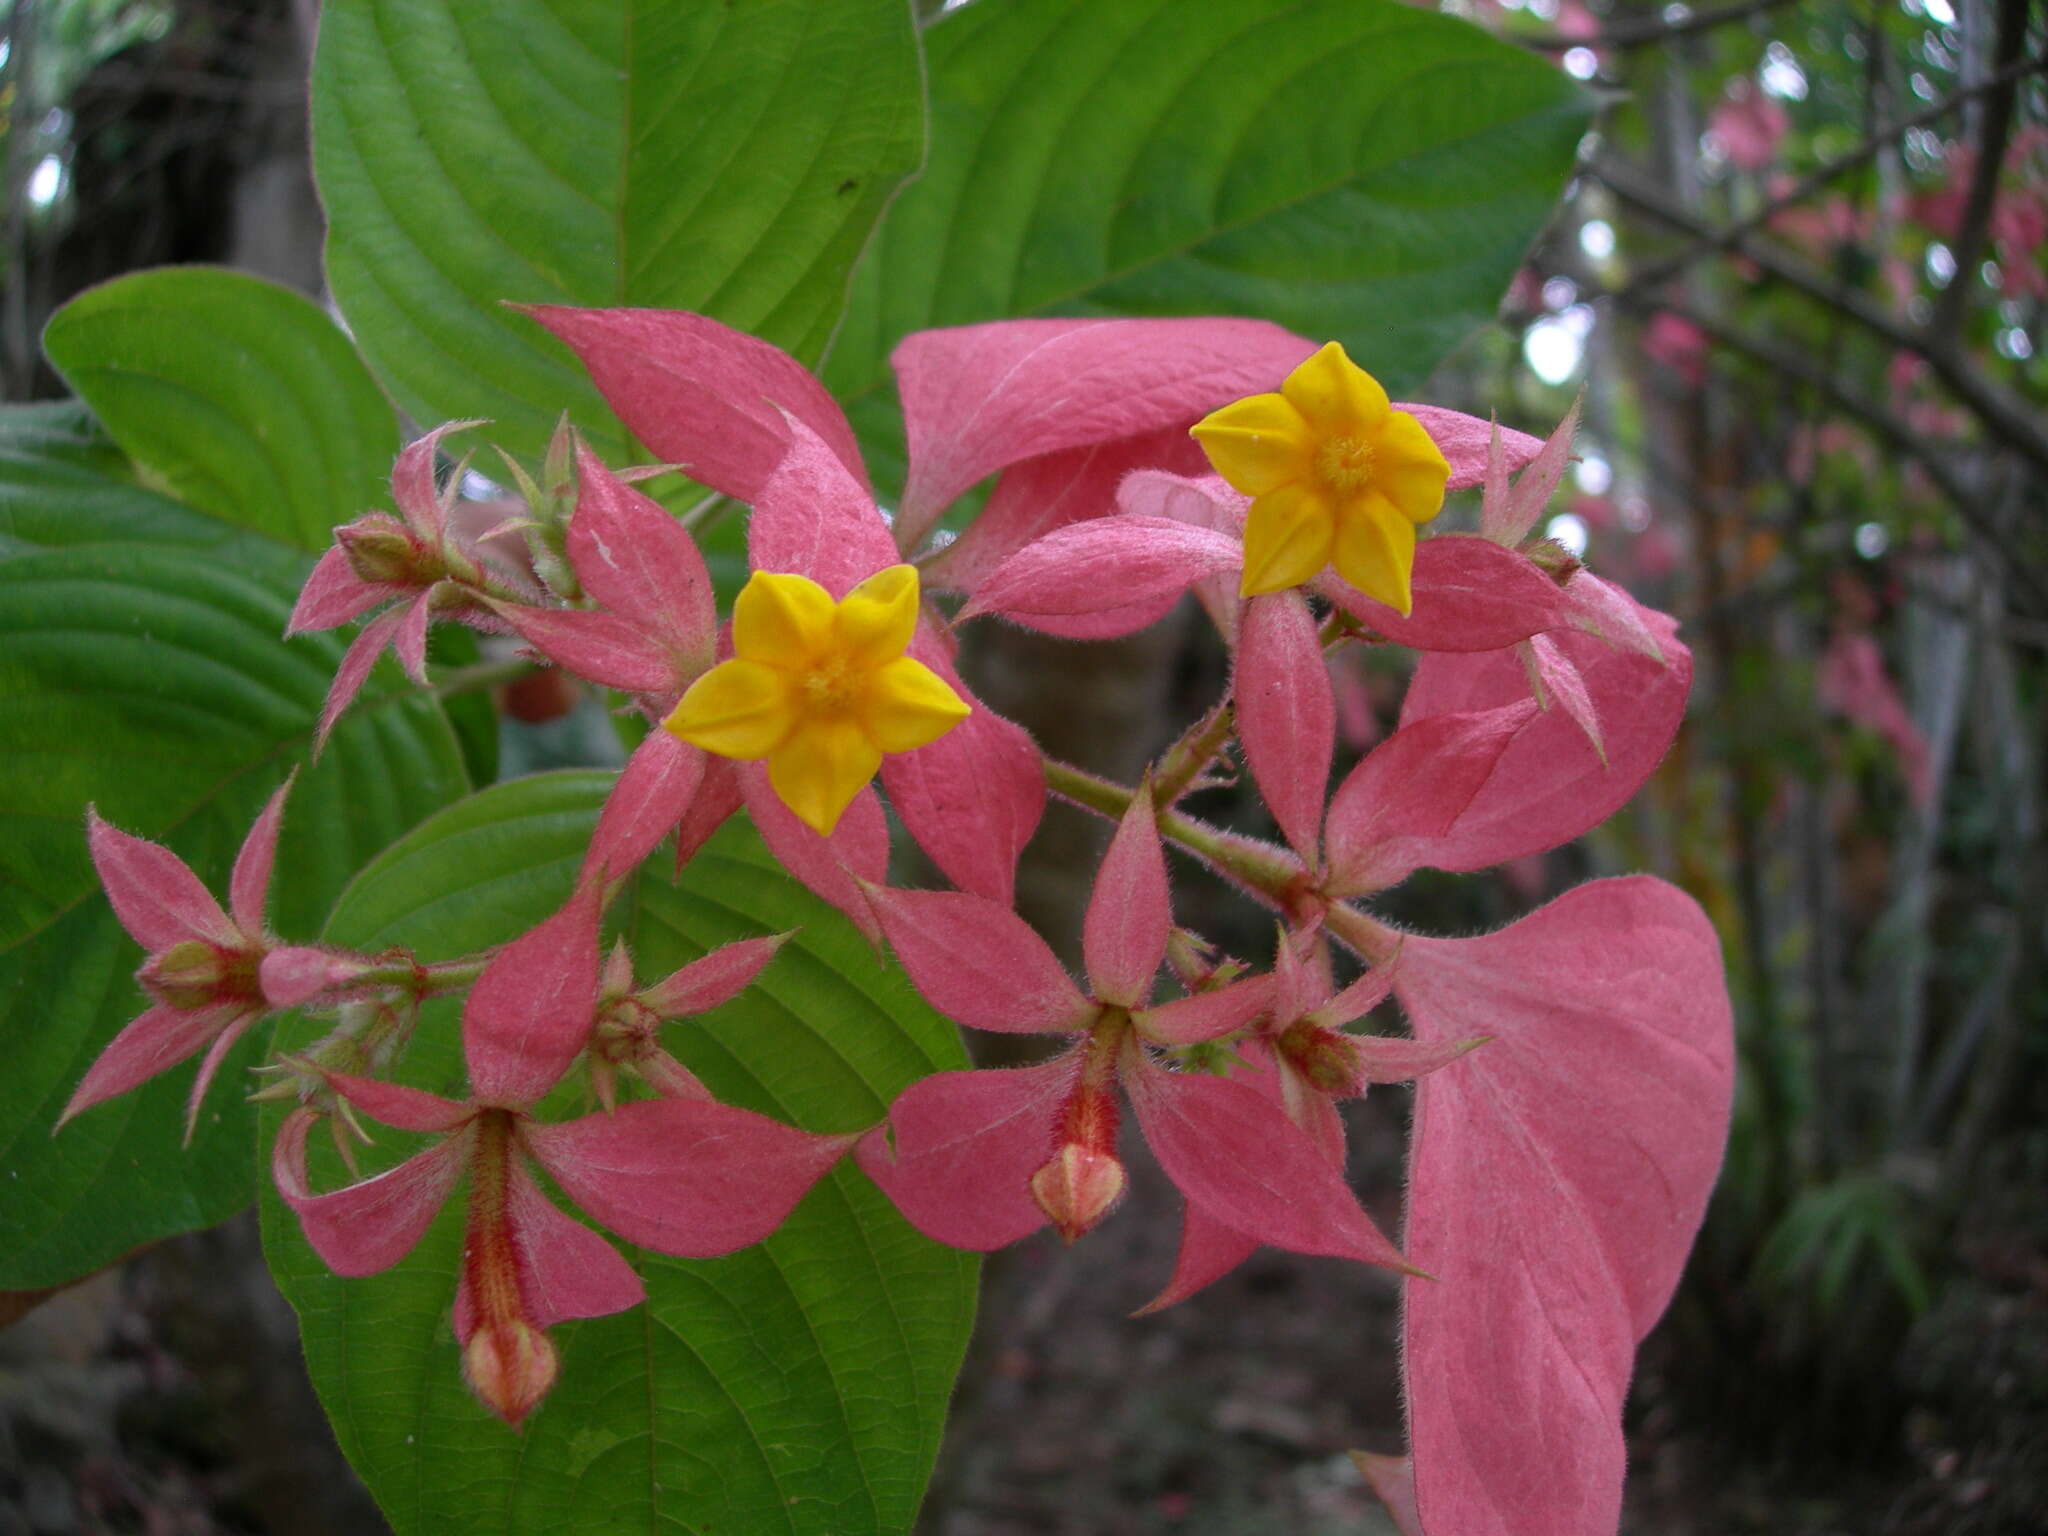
1344,464
830,686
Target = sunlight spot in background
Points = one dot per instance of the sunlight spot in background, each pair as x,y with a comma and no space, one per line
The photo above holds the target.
1872,540
1581,63
2015,344
1593,474
1941,264
1938,11
1558,292
46,181
1552,351
1596,239
1781,75
1569,529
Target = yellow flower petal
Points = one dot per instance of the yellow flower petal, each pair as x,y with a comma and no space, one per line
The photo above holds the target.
1375,550
1409,467
1258,443
909,706
822,766
738,709
781,620
877,618
1335,396
1287,539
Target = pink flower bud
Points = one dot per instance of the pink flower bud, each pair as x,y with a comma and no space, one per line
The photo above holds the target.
1077,1188
510,1364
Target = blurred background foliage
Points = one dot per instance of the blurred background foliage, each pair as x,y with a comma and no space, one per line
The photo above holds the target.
1801,280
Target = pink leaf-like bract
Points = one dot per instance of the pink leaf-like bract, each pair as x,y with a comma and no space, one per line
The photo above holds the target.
700,394
1556,1181
1409,792
712,979
1209,1250
718,796
1055,491
979,963
973,798
249,885
980,397
409,1109
816,518
1231,1150
334,594
604,648
653,792
1463,441
530,1011
1286,713
367,1227
858,846
1551,785
1206,1015
1108,577
685,1176
157,897
638,561
1507,515
154,1041
1470,595
356,663
565,1269
1130,913
1603,610
959,1149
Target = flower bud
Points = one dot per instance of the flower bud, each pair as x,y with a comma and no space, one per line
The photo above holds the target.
1077,1188
195,974
1327,1059
382,549
510,1364
1553,559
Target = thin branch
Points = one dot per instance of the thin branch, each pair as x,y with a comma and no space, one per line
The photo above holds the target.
2009,418
1887,427
1952,308
1649,31
1662,271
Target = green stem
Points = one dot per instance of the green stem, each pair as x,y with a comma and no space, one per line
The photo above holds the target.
1186,759
1264,868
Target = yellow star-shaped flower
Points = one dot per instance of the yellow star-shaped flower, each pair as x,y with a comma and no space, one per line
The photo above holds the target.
821,689
1336,476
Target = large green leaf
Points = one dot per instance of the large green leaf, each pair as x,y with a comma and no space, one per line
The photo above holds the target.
237,397
1356,169
141,669
799,1386
728,158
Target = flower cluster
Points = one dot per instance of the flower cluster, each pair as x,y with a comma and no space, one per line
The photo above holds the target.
1574,1068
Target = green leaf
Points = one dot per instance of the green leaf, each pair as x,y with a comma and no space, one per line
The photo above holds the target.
729,158
141,669
235,396
799,1386
1355,169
